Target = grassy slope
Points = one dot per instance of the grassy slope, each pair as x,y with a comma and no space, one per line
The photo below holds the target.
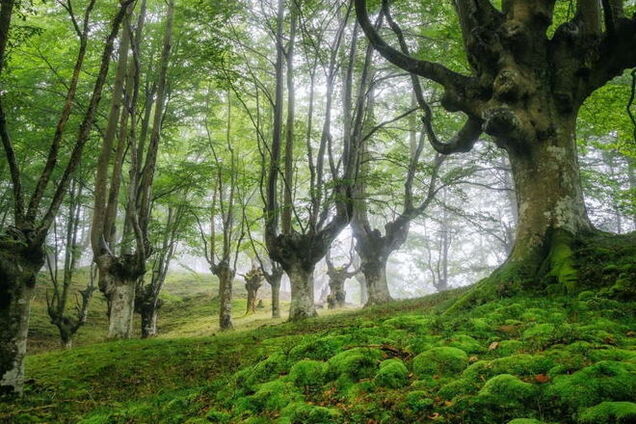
535,356
549,358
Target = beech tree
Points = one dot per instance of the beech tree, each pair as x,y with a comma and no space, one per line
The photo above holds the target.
528,79
22,244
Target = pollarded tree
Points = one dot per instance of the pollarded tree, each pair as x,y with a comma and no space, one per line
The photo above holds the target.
338,275
528,78
22,244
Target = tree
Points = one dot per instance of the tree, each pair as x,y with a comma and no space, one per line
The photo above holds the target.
22,245
253,281
338,275
525,88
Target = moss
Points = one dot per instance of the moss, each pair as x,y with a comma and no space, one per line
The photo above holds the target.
609,413
508,347
266,370
525,421
519,365
272,396
466,343
319,349
302,413
507,391
459,387
218,417
308,374
392,374
603,381
418,401
356,364
412,323
562,260
440,361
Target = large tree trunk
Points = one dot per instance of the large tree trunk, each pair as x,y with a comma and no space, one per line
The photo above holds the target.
337,295
302,292
118,278
374,270
251,299
550,203
18,273
149,322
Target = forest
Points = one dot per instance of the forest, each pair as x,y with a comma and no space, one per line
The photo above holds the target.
318,211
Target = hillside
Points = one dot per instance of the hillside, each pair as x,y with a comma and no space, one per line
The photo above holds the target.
552,359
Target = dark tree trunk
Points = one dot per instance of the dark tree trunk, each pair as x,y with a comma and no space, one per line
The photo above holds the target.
374,270
337,295
19,266
149,321
274,280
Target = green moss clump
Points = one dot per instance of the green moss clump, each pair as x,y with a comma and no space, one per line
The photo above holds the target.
508,347
466,343
440,361
459,387
603,381
319,349
520,365
266,370
506,391
308,374
525,421
218,417
355,364
417,401
272,396
412,323
610,413
302,413
392,374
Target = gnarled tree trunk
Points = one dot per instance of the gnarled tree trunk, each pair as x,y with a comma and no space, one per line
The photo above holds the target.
337,295
226,277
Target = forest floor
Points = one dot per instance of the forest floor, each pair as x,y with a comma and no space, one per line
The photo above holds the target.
530,357
559,359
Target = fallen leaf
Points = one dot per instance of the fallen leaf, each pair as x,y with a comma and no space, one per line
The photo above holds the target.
493,346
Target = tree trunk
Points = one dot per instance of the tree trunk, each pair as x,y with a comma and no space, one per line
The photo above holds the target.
251,299
226,277
149,321
374,271
17,281
302,292
122,302
550,202
337,295
364,293
274,282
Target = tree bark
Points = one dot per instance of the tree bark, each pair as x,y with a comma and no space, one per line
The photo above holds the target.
302,292
18,272
149,322
374,270
337,294
226,276
274,280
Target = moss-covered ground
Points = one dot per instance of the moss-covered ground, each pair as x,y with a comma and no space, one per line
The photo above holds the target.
522,359
536,355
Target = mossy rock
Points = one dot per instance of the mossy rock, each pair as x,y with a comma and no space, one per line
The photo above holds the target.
525,421
440,361
355,364
218,417
459,387
520,365
392,374
508,347
308,374
302,413
412,323
603,381
609,413
507,391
